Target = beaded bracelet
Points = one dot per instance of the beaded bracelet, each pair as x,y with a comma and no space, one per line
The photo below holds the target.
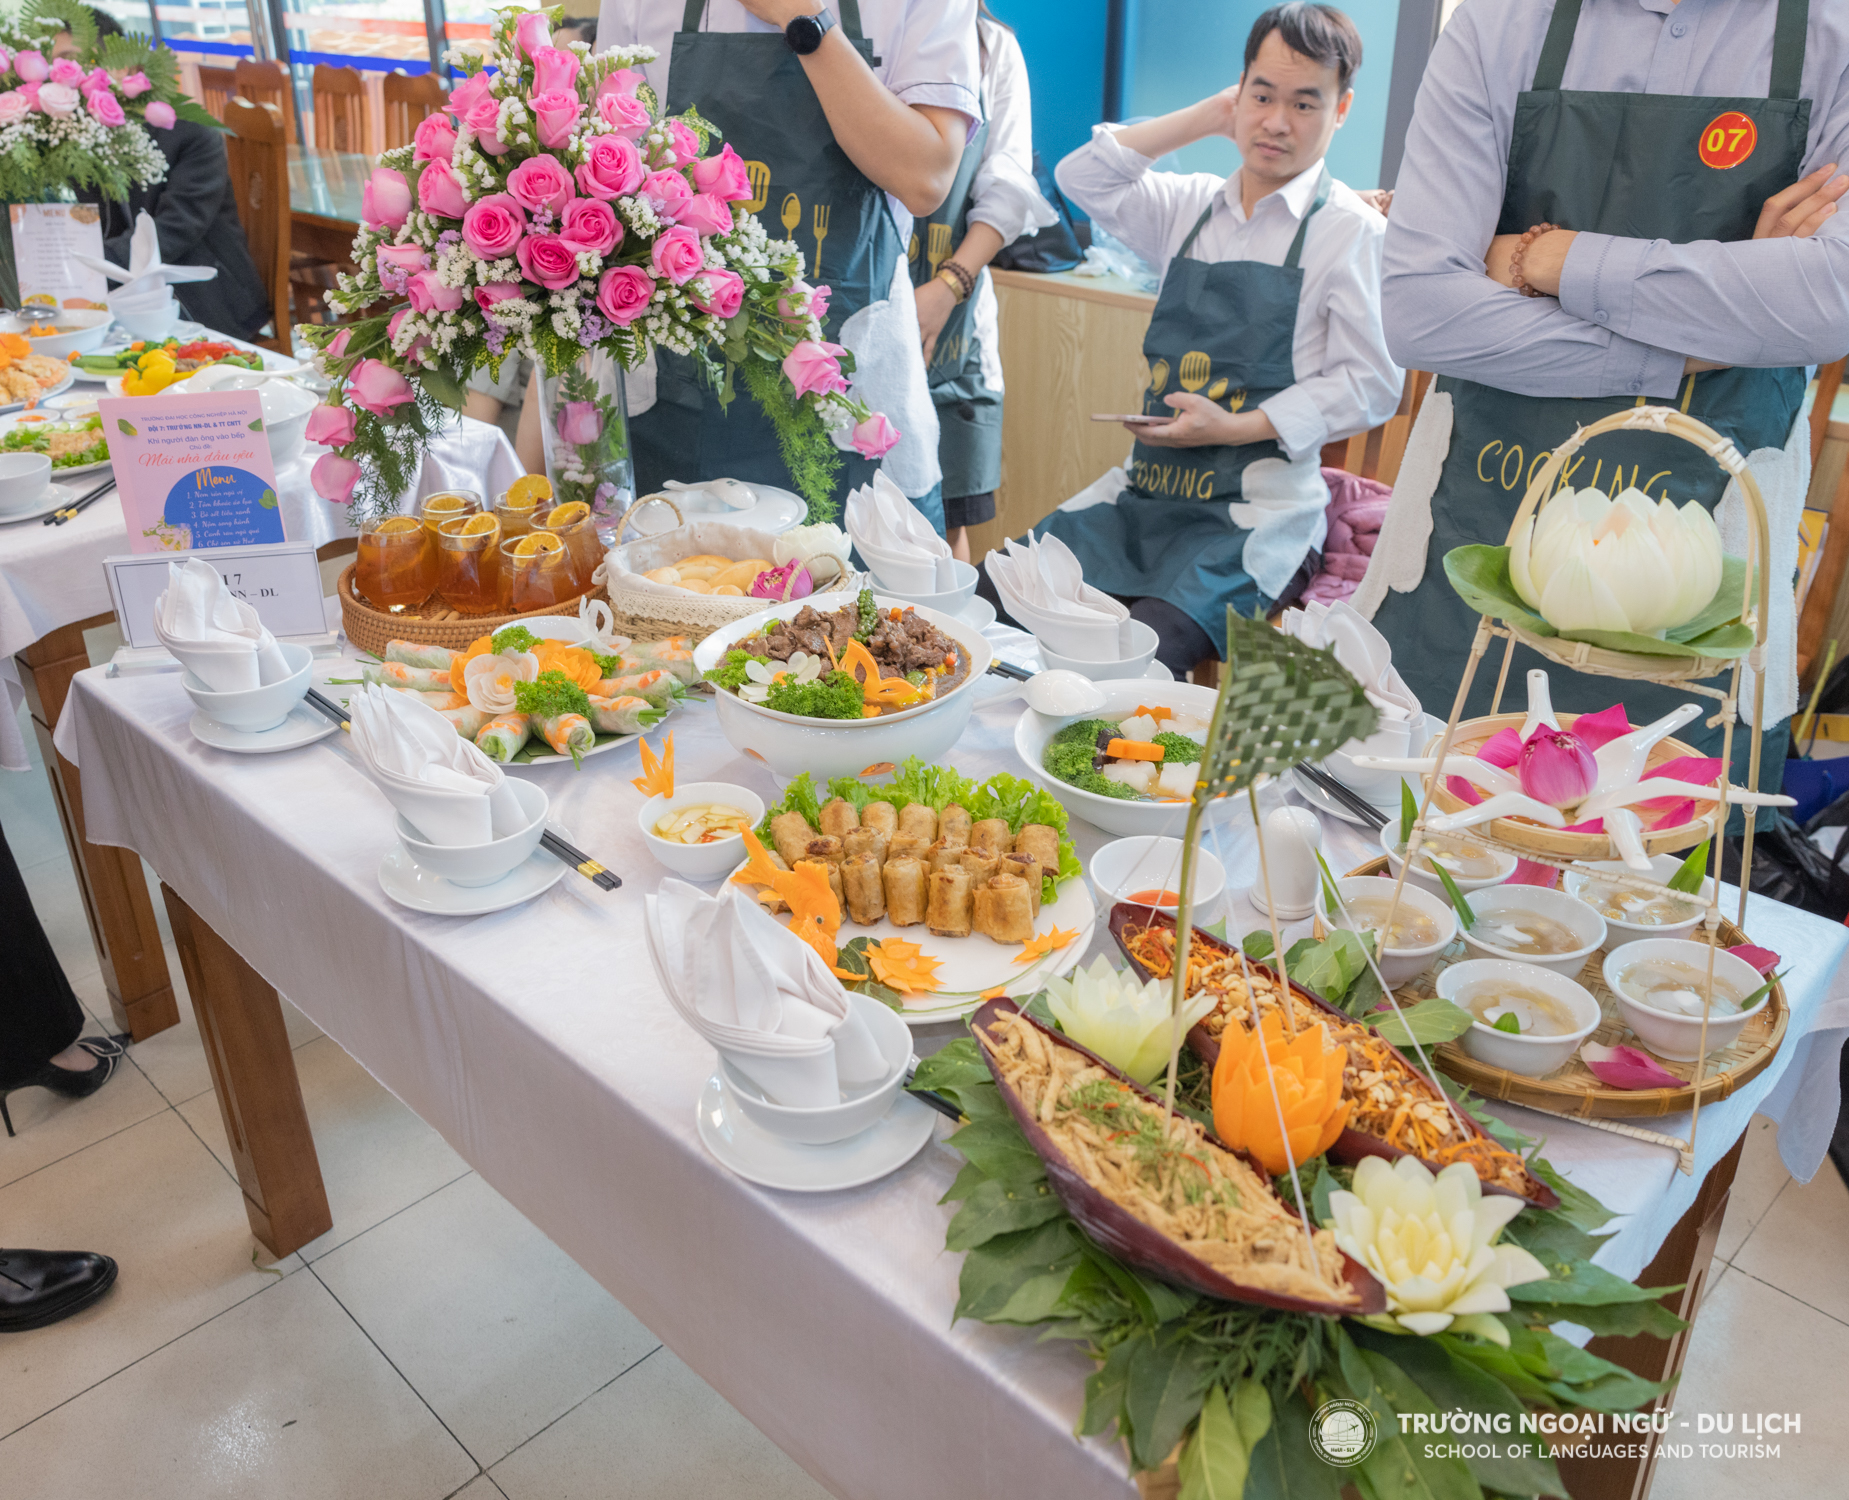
1515,259
964,283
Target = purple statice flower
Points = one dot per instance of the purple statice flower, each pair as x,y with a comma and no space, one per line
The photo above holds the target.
447,238
494,336
595,330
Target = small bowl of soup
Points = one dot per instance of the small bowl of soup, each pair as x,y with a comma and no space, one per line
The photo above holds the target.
1661,987
1632,915
1525,1019
1470,862
699,831
1408,935
1532,925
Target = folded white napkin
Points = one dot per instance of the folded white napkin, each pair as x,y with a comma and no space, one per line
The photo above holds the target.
730,492
1360,648
447,790
1044,587
896,541
146,272
760,995
217,638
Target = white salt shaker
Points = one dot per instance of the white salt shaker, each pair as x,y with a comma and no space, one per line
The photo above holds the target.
1293,838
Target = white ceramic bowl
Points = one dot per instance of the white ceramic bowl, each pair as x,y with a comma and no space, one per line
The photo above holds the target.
481,864
23,477
1123,867
255,709
789,745
90,332
1578,918
1115,814
1390,840
1397,965
1678,1037
833,1122
1662,866
286,405
150,325
949,601
1531,1056
1143,642
699,861
1394,737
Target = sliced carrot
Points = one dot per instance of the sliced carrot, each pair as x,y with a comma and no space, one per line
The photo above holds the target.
1158,714
1133,750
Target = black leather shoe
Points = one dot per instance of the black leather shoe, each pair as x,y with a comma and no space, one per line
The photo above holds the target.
41,1286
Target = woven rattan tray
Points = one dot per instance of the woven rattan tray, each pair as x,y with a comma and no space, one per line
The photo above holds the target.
437,625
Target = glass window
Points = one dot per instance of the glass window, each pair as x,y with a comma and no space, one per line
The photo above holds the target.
468,21
371,35
218,31
135,15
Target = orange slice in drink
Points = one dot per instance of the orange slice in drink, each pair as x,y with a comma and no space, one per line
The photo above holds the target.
568,514
479,526
440,508
399,526
527,491
536,542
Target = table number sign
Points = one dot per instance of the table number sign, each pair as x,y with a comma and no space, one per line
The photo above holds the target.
282,582
194,470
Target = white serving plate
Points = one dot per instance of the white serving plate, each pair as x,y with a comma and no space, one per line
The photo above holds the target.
54,498
62,385
11,422
770,1161
303,727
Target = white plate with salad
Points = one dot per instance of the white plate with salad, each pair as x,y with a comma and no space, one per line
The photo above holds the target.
75,446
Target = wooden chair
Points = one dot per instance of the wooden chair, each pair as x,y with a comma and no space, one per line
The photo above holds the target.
340,110
268,83
216,85
409,101
257,146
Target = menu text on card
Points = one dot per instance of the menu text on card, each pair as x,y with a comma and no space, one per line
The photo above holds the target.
194,470
47,239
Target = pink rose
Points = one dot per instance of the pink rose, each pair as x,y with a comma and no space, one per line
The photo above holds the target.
160,115
439,191
678,255
612,169
547,259
579,423
135,85
554,70
6,60
590,224
720,293
32,67
815,369
531,33
554,116
705,214
624,294
395,323
627,114
435,139
332,426
334,477
401,260
493,226
875,437
540,182
376,386
683,143
427,294
106,108
337,345
484,115
96,78
622,81
724,176
58,99
385,201
794,304
469,93
668,191
491,142
66,72
489,293
14,106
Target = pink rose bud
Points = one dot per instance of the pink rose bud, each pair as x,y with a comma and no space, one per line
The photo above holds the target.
720,293
379,388
66,72
704,213
334,477
555,116
580,423
469,93
96,78
875,437
32,67
135,85
105,108
678,255
493,226
337,345
435,138
554,70
627,114
493,292
439,191
612,168
590,224
1557,768
540,182
385,201
427,294
624,294
160,115
405,260
814,369
794,303
59,100
547,259
668,191
818,302
490,143
332,426
531,33
724,176
622,81
683,142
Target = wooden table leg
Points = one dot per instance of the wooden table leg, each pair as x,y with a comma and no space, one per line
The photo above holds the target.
253,1074
111,881
1686,1258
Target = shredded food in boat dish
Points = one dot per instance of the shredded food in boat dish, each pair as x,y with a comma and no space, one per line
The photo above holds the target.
1214,1204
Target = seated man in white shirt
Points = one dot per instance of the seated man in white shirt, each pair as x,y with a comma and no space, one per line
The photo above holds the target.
1265,343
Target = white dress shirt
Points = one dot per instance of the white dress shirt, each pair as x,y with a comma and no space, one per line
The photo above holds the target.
1346,380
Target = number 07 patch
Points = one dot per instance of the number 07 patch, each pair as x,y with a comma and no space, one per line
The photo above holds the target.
1728,139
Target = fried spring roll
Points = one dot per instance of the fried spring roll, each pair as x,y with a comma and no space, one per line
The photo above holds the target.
918,821
1003,911
904,846
833,871
905,892
865,840
947,911
941,856
882,817
791,833
991,836
839,818
953,824
826,848
982,868
1028,868
1041,841
864,892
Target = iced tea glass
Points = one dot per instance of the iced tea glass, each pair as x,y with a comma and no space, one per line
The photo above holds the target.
517,513
469,565
538,578
397,565
446,505
583,546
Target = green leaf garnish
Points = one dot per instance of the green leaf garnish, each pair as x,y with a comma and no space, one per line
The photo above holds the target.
1690,873
1507,1022
514,638
1409,809
1466,918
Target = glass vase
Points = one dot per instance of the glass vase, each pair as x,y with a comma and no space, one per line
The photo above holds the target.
585,428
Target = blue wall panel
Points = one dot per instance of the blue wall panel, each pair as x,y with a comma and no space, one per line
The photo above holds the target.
1063,42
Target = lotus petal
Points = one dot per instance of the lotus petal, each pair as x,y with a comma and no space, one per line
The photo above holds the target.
1503,748
1577,598
1602,727
1762,959
1626,1068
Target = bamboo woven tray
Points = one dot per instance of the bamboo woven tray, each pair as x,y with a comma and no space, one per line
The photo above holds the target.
1573,1089
370,629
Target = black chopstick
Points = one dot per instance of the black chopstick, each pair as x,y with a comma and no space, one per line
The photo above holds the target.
580,861
937,1101
1365,811
327,706
1008,669
59,517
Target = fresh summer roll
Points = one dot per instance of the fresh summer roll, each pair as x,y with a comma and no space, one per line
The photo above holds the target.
832,871
992,836
827,847
1041,841
953,824
882,817
905,892
416,654
791,833
504,736
1028,868
918,821
904,846
662,689
865,841
672,655
863,890
467,719
400,674
568,734
624,715
947,908
982,867
1002,910
839,818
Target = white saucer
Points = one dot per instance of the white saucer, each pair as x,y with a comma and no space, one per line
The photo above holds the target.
1324,803
418,889
303,727
770,1161
54,498
978,614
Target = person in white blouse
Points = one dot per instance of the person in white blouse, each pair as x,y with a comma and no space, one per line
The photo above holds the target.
850,127
1265,343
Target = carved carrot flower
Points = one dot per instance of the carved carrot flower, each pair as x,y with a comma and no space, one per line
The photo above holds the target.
657,778
903,966
1053,939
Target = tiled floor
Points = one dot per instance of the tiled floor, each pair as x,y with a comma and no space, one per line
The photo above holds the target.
435,1343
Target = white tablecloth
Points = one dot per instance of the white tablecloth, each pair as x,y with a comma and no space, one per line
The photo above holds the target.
537,1043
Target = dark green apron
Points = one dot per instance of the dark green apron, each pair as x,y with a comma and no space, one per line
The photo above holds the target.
969,414
1629,165
1224,330
752,86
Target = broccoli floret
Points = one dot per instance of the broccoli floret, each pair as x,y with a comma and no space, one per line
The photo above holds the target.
730,673
833,695
1071,762
1177,749
551,695
1085,732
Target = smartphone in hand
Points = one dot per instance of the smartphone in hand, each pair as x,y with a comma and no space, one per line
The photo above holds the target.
1135,421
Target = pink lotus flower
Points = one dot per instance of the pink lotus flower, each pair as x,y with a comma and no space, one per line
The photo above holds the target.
379,388
791,581
580,423
611,169
669,192
334,477
401,261
14,106
59,100
435,138
491,293
705,214
440,191
66,72
105,108
160,115
683,143
469,93
814,369
332,426
428,294
385,201
554,70
31,66
531,33
547,259
720,293
493,225
135,85
1627,1068
590,224
625,113
724,176
337,345
1557,768
678,255
540,182
624,294
555,116
875,437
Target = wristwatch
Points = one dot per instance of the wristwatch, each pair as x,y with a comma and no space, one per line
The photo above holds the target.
805,33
